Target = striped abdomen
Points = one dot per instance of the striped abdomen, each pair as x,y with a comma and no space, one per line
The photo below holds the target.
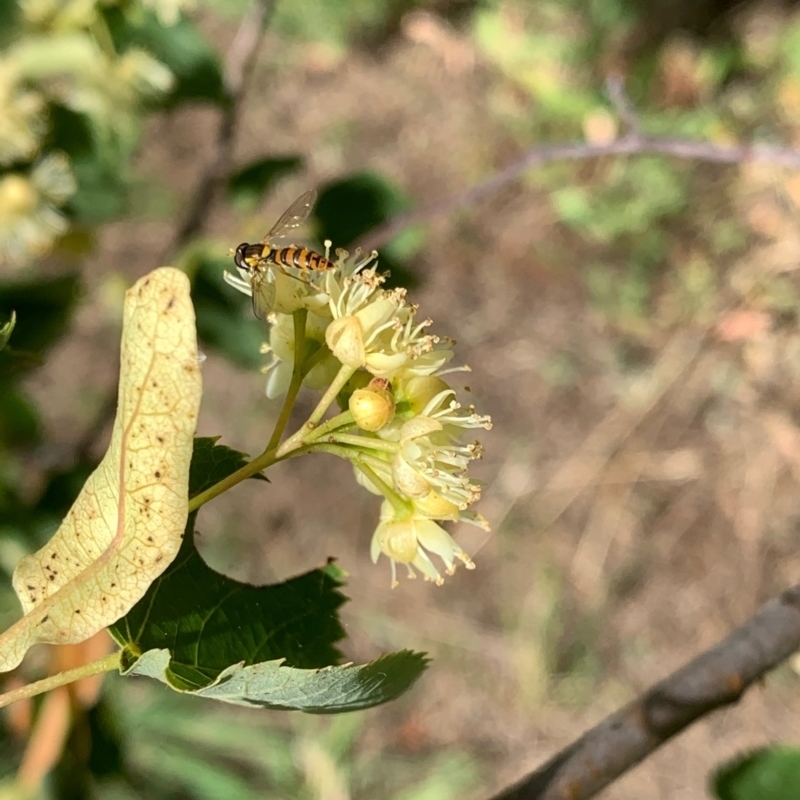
300,257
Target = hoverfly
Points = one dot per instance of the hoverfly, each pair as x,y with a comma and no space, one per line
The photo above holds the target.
256,259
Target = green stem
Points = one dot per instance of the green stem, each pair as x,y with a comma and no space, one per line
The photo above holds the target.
339,421
106,664
266,459
367,442
344,375
298,373
318,356
401,506
298,439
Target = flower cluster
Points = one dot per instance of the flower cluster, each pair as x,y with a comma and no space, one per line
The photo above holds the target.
402,426
61,52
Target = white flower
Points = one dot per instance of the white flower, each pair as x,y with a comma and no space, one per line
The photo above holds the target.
376,329
406,541
282,347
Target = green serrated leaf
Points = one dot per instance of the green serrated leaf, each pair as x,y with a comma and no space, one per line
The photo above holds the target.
247,186
7,328
211,462
180,47
772,773
271,646
330,690
209,621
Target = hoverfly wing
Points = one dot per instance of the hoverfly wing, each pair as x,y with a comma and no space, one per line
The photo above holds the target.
294,216
263,293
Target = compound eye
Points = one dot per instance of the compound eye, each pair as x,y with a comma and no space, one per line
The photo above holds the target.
239,256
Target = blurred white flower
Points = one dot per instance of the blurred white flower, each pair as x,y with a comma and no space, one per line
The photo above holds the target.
29,217
72,68
22,117
58,15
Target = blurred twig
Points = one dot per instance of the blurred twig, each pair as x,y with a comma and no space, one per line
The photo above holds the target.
714,679
634,142
239,63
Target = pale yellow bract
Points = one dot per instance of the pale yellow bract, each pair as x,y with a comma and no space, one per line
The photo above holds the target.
127,523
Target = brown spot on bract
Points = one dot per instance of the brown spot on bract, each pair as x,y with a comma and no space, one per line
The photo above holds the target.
171,302
158,474
44,618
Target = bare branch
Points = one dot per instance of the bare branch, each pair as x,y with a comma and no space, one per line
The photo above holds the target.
714,679
239,63
631,144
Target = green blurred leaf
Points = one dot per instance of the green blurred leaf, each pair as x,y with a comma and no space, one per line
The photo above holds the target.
70,132
451,776
102,193
62,487
181,47
331,20
7,328
43,307
225,321
99,163
19,420
9,22
330,690
247,186
349,208
179,772
106,739
772,773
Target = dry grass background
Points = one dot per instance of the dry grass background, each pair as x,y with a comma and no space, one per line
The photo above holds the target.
643,487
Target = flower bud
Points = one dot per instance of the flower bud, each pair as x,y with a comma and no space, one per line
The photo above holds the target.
372,407
346,341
